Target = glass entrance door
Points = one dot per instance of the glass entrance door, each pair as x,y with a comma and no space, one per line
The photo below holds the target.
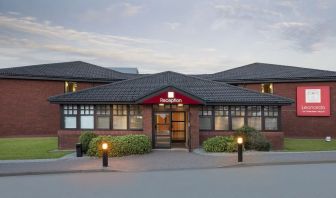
178,127
162,130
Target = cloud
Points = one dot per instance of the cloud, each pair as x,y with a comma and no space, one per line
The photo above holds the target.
173,25
25,38
131,10
111,12
304,25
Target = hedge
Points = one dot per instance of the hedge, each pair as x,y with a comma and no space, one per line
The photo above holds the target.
85,139
220,144
253,139
120,145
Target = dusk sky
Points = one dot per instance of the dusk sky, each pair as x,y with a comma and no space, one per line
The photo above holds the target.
193,36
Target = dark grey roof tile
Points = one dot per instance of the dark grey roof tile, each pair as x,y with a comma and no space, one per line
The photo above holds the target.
134,89
76,70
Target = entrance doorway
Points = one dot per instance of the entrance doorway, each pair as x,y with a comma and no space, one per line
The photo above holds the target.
169,129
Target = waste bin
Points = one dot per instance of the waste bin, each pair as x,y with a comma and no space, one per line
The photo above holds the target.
79,151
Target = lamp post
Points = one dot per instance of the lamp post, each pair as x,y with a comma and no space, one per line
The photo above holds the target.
240,149
105,154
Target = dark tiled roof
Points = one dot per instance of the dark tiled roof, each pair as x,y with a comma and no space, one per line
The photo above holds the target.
259,72
76,70
131,91
127,70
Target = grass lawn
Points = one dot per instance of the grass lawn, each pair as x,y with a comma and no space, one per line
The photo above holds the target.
292,144
29,148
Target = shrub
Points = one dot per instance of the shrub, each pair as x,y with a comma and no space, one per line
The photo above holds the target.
253,139
85,139
220,144
121,145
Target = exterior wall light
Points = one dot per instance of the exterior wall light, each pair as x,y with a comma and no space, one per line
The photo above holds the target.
240,142
105,154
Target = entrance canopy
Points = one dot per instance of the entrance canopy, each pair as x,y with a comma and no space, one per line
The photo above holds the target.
169,87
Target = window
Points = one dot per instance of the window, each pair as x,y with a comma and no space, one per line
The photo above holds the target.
86,116
70,116
205,118
271,114
238,114
69,86
103,116
221,118
119,116
135,117
254,117
267,88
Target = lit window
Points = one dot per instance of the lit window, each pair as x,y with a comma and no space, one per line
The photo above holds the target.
267,88
271,114
135,117
254,117
119,116
238,116
70,86
221,118
103,116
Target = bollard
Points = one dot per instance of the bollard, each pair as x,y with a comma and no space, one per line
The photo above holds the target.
79,150
105,154
240,149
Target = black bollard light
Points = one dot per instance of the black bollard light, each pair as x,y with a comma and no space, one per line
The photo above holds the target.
105,154
240,149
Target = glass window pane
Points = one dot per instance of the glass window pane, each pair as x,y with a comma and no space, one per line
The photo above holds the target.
103,122
237,122
254,122
86,122
205,123
221,123
178,116
178,126
135,122
70,122
119,122
271,123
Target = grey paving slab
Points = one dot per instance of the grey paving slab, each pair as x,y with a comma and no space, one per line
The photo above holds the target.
163,160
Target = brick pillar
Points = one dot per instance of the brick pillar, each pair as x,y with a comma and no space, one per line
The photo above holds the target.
194,126
147,120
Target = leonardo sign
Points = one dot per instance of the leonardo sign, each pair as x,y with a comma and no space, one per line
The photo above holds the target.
313,101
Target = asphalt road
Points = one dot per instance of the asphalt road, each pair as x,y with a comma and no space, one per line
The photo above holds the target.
292,181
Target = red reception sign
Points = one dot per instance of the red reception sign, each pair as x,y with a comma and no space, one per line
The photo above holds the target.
171,97
313,101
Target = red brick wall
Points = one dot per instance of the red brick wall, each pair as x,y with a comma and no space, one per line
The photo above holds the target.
307,127
276,138
24,109
194,126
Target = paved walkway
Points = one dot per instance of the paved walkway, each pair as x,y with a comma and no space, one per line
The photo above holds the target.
161,160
